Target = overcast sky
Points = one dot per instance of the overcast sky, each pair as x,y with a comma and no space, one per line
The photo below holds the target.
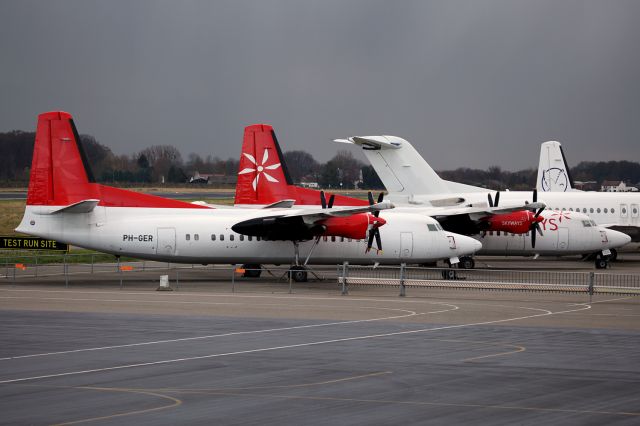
470,83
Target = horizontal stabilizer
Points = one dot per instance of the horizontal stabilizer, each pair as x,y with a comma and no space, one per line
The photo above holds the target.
373,142
282,204
84,206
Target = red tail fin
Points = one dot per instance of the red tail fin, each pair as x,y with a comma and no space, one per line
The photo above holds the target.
60,173
263,177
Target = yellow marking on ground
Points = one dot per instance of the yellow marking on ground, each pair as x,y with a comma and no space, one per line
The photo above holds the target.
419,403
176,402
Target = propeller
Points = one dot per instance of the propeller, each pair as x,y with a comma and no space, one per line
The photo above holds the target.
374,232
535,223
491,203
323,200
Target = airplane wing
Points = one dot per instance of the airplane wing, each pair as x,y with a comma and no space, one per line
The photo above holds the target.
301,225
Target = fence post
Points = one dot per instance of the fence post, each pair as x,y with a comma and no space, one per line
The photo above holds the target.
402,288
66,270
233,278
120,272
592,278
345,270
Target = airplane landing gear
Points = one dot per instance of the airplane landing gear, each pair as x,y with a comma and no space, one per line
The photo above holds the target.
252,270
467,262
602,261
298,273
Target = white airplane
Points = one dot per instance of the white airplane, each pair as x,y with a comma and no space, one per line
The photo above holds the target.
64,203
411,181
511,229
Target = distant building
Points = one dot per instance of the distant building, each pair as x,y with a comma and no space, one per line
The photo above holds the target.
616,186
310,185
590,185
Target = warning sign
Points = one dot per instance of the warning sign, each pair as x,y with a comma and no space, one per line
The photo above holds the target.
31,243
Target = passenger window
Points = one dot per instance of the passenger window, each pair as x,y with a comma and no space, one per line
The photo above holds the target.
333,239
221,237
591,210
606,210
241,237
196,237
570,209
257,238
231,237
613,210
584,210
250,238
213,237
187,237
598,210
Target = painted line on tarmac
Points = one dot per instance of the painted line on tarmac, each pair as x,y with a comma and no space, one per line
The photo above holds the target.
184,339
545,312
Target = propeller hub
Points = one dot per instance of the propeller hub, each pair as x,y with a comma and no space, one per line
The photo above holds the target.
376,222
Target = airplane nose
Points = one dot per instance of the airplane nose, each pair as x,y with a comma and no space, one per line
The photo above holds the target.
617,238
467,245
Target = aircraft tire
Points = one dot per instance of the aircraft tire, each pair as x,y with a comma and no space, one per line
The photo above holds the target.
601,263
614,255
299,274
467,262
252,270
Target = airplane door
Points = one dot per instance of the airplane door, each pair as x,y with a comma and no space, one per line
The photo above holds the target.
166,241
406,244
563,238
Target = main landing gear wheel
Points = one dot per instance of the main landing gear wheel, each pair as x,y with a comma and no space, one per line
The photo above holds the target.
252,270
467,262
298,273
613,256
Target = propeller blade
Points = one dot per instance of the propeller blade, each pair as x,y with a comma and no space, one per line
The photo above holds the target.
331,200
370,242
497,199
539,229
538,212
535,195
323,200
533,238
381,197
378,240
490,200
370,197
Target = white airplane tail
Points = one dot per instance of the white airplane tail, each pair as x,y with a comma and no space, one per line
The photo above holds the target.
553,170
402,169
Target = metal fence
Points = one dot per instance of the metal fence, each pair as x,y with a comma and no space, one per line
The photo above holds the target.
488,279
85,268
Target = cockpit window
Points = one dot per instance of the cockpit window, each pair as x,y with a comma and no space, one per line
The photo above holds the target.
439,227
586,223
432,227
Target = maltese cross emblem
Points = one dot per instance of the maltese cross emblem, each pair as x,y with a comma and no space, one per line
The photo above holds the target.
260,169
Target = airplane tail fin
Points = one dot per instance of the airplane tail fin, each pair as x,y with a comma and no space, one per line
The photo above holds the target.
263,176
553,170
402,169
60,173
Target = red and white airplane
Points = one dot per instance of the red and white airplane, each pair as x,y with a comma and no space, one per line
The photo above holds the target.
505,230
65,203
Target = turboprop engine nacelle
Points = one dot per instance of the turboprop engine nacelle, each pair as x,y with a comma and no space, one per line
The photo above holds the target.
356,226
519,222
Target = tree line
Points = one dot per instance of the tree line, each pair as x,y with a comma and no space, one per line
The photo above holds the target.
164,163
